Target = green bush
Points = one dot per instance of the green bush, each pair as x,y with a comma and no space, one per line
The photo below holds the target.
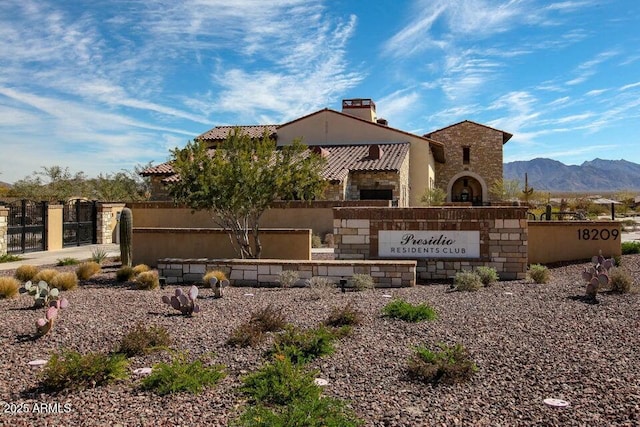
488,275
467,281
73,370
399,309
539,273
620,281
361,282
98,255
450,364
281,382
302,346
321,412
142,340
9,258
181,375
316,241
629,248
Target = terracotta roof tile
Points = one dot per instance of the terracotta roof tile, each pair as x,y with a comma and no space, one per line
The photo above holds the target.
341,159
220,133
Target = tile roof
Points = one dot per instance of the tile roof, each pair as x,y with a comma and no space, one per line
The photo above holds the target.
341,159
220,133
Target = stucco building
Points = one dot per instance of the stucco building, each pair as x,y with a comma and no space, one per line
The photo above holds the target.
368,159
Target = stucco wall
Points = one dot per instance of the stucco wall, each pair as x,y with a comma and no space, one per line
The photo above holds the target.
151,244
556,241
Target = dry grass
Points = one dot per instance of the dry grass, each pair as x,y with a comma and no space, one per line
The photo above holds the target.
148,280
88,269
25,272
45,275
9,287
64,281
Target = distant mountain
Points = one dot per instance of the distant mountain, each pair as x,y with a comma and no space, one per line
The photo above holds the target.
594,175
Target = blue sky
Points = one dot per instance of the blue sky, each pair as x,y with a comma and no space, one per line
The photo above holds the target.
101,86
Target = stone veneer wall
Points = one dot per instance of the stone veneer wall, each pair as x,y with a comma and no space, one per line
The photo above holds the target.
4,226
503,236
264,272
106,221
485,146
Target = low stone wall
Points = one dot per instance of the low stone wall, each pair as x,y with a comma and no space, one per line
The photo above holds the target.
264,272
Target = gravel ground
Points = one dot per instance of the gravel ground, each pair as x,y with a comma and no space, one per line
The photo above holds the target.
529,341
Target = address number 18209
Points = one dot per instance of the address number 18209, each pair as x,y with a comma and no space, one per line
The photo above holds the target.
597,234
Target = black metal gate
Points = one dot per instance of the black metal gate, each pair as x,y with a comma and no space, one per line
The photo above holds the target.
26,227
79,219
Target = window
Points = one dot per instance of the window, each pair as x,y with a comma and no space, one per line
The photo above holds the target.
376,194
466,155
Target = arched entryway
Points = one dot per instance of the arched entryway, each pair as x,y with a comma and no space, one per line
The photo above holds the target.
467,187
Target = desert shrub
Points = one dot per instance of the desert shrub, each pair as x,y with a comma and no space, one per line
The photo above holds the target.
302,346
98,255
9,258
218,274
246,335
142,340
321,412
281,382
329,240
74,370
629,248
320,286
140,268
399,309
345,316
67,261
124,274
252,333
316,241
182,375
147,280
620,281
9,287
467,281
25,272
288,278
488,275
269,319
448,365
45,275
361,282
64,281
539,273
88,269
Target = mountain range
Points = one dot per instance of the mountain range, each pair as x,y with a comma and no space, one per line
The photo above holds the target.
595,175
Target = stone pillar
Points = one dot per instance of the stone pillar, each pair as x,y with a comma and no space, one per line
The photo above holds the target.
106,221
4,227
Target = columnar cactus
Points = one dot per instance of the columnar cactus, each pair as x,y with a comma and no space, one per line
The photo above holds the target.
126,235
42,293
597,275
45,324
185,303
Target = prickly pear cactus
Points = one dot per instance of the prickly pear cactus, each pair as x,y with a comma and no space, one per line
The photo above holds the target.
218,286
597,276
45,324
185,303
42,293
126,235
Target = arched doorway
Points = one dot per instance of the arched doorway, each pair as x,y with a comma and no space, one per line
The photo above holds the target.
466,188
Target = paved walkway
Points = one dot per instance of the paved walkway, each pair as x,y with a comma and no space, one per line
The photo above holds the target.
81,253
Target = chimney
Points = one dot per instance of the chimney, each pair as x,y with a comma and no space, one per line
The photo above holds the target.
323,152
363,108
375,152
382,122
